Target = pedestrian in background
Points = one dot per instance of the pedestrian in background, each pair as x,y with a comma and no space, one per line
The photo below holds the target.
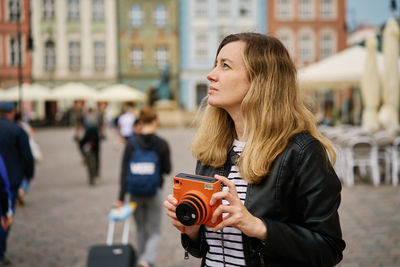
126,121
36,152
149,208
280,193
93,127
18,159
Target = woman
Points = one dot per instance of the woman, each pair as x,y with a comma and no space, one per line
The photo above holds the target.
281,194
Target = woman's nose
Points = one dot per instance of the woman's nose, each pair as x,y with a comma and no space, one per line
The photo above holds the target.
211,75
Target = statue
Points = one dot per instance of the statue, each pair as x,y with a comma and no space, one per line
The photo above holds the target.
163,87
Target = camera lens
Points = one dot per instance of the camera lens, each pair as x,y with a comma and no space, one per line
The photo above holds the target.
186,213
191,211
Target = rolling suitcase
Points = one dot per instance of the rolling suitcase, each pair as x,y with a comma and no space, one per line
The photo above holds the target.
114,255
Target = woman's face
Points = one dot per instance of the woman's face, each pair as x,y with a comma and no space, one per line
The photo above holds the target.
228,80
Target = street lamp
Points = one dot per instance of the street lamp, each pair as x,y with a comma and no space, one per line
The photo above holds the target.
18,17
393,7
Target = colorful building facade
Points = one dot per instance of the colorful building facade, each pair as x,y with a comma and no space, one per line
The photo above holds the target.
148,44
75,40
310,29
15,43
203,24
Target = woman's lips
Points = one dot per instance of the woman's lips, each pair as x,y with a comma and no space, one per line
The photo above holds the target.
212,90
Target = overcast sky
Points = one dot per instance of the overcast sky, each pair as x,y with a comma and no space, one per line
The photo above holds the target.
374,12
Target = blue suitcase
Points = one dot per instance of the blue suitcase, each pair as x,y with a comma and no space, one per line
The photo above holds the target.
114,255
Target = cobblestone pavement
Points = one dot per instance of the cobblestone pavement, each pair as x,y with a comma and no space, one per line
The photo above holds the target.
64,216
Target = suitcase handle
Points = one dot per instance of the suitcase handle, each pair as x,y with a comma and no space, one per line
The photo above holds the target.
125,232
119,214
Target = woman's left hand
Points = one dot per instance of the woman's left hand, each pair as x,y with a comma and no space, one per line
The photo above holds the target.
238,215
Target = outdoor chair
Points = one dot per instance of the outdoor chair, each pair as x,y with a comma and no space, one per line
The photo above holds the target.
340,164
362,152
384,141
395,160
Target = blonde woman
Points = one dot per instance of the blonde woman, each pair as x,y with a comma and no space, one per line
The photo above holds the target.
280,194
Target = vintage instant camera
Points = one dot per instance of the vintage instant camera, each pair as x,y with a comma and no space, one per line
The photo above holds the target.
193,193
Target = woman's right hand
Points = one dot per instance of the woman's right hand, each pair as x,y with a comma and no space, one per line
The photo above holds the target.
192,231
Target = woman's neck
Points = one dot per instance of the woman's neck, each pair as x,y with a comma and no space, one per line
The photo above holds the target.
239,125
148,129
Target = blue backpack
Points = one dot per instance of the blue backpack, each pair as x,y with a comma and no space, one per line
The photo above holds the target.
143,176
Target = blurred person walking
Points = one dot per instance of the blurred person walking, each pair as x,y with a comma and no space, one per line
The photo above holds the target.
126,121
36,152
93,125
149,207
18,159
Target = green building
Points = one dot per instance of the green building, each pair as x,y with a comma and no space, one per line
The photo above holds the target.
148,43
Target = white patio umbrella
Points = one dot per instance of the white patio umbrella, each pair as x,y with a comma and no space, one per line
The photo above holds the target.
2,92
74,91
339,71
388,114
120,92
370,87
30,92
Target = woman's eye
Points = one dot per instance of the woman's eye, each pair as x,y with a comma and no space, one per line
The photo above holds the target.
226,65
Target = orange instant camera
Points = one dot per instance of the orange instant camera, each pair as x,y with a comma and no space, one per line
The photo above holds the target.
193,193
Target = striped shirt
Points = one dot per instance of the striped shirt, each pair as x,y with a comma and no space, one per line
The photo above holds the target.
232,237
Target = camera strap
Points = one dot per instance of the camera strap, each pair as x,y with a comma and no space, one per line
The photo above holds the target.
222,246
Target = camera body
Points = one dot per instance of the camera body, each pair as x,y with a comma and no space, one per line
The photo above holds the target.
193,193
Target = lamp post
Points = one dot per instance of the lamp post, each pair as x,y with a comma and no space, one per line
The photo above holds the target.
393,7
18,17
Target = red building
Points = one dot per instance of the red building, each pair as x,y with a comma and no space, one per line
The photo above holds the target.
15,56
310,29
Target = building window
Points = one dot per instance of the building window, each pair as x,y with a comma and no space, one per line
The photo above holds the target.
48,9
222,32
201,8
73,9
49,56
284,9
327,44
327,9
98,10
306,9
136,56
15,52
201,92
286,37
161,56
14,10
160,15
223,8
306,47
201,48
99,55
136,16
245,8
74,56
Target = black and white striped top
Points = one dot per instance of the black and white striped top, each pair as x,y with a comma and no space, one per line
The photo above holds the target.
232,237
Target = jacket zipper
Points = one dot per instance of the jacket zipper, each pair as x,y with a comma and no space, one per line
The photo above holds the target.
261,259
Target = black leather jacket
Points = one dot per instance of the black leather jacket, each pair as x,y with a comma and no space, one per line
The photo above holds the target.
298,202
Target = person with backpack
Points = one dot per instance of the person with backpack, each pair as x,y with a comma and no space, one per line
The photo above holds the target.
93,126
146,158
18,160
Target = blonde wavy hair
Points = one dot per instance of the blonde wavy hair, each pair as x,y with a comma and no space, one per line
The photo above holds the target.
272,111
